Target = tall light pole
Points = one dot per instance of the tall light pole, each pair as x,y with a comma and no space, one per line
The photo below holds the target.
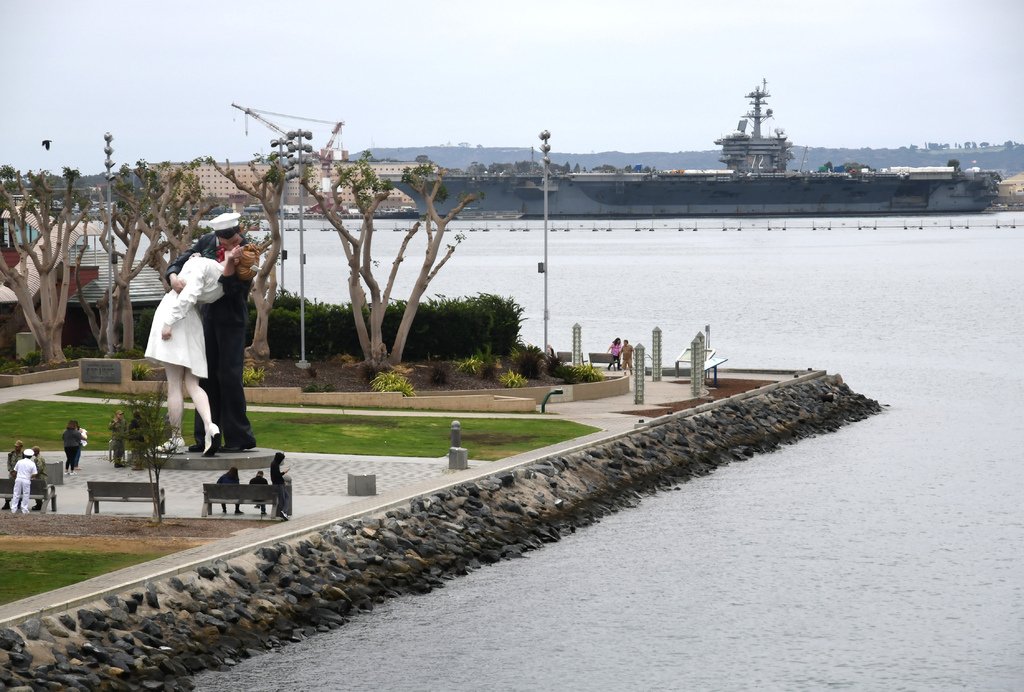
297,148
545,149
109,233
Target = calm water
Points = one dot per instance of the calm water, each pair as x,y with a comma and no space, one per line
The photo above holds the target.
886,556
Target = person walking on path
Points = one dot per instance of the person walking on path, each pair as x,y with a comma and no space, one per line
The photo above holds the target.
615,349
24,471
260,479
13,457
627,356
277,479
230,478
225,323
40,474
118,431
75,438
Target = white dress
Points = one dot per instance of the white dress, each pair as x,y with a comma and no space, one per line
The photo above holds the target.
187,345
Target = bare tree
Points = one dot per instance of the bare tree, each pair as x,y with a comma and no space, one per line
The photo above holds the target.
370,296
163,205
264,289
49,215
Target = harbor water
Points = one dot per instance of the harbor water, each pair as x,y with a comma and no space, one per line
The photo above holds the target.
888,555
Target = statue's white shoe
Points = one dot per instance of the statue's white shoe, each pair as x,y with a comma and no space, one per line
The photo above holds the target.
210,432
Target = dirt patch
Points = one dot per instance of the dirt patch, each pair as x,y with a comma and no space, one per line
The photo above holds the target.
99,544
726,388
114,533
339,376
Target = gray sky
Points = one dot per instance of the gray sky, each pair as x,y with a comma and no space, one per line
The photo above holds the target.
647,75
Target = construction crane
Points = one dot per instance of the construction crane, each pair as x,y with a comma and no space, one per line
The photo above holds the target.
325,155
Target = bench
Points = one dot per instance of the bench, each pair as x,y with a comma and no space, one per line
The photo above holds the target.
39,490
601,358
232,494
564,356
119,491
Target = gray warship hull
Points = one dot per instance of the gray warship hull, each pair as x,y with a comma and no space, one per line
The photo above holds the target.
641,196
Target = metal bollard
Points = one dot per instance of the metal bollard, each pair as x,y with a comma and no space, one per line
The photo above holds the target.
458,457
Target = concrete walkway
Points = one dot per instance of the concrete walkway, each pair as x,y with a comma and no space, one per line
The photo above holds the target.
319,482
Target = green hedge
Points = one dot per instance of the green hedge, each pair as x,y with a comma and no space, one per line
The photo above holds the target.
446,328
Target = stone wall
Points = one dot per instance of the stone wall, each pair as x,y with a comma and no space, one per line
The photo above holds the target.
224,611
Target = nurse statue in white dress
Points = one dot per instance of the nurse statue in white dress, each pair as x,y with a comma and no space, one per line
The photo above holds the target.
177,343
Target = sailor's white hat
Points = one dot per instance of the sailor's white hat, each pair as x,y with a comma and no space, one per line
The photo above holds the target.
30,453
225,221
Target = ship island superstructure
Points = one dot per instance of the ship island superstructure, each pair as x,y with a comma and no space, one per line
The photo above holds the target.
754,182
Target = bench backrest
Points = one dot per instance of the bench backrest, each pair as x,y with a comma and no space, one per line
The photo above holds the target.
120,489
231,491
38,486
564,356
601,357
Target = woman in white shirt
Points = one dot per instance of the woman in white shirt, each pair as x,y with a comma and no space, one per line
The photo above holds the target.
177,343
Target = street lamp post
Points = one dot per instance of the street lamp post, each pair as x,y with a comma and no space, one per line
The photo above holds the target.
297,148
109,234
545,149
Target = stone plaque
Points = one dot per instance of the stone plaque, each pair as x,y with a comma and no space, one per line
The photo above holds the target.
101,371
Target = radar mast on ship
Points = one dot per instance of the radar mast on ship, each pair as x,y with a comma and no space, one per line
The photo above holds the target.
755,153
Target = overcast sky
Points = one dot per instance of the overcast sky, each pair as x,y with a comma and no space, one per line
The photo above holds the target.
645,75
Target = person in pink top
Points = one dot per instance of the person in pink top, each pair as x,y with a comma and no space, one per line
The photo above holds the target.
615,349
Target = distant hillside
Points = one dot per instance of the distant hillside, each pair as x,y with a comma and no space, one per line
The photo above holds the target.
1008,160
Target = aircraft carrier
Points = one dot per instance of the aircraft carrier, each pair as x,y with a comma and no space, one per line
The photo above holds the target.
754,182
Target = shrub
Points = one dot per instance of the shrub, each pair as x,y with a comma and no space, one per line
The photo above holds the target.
253,377
489,365
489,370
573,374
440,372
130,354
318,387
78,352
527,361
470,366
32,358
142,371
372,370
551,365
391,381
512,380
587,373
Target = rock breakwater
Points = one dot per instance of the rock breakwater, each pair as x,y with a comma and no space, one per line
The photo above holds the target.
177,626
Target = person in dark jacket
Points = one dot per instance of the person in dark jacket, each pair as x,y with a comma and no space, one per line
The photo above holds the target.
225,322
260,479
230,478
277,480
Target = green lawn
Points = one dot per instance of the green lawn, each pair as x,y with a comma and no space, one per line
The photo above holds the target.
42,423
26,574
